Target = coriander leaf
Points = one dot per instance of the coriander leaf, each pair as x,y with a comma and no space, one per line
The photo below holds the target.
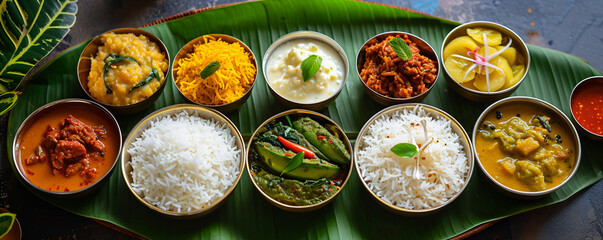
310,66
210,69
405,150
294,163
401,48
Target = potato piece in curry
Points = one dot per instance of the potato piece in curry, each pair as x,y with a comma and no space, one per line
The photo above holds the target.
524,149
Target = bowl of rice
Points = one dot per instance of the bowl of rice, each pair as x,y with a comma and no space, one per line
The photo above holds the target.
445,161
216,71
189,177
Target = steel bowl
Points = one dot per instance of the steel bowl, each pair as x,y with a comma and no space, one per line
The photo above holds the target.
475,95
321,119
189,48
315,36
555,114
202,112
426,50
435,113
84,65
581,86
75,105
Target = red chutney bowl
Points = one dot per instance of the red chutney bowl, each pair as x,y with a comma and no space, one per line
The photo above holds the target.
586,103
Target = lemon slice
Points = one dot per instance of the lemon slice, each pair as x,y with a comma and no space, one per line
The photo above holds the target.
518,72
510,54
457,68
460,46
494,37
497,81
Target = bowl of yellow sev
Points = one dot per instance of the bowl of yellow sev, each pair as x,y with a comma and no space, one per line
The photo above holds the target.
216,71
124,69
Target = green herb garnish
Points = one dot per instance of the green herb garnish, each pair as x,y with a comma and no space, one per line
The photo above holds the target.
153,75
210,69
401,48
405,150
294,163
310,66
6,223
289,121
113,59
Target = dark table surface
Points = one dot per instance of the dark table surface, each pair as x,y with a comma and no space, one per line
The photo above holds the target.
569,26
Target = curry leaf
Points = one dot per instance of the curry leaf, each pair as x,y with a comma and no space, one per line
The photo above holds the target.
294,163
405,150
153,75
310,66
210,69
113,59
401,48
6,223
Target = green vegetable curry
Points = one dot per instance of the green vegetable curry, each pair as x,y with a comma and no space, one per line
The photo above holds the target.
278,170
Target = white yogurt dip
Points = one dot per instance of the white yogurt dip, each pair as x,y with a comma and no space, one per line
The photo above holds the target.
284,72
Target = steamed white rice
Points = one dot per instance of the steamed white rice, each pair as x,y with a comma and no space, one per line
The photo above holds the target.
443,171
184,162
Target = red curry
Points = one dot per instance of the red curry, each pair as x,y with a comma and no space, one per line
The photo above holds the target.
587,106
68,149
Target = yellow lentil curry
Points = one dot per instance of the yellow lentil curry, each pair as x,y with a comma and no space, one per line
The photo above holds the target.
126,69
524,149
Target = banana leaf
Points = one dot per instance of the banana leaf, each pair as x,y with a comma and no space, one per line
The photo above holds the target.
353,214
31,29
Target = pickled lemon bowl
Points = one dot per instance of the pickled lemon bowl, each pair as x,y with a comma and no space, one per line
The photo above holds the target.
484,74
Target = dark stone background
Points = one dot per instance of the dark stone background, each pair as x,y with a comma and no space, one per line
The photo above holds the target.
570,26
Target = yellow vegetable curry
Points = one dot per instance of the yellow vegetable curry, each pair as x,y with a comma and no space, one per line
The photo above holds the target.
524,149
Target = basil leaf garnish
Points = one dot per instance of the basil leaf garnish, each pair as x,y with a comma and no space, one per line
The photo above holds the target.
294,163
210,69
405,150
310,66
401,48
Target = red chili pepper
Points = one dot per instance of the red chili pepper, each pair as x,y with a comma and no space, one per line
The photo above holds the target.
321,137
295,147
289,154
330,142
